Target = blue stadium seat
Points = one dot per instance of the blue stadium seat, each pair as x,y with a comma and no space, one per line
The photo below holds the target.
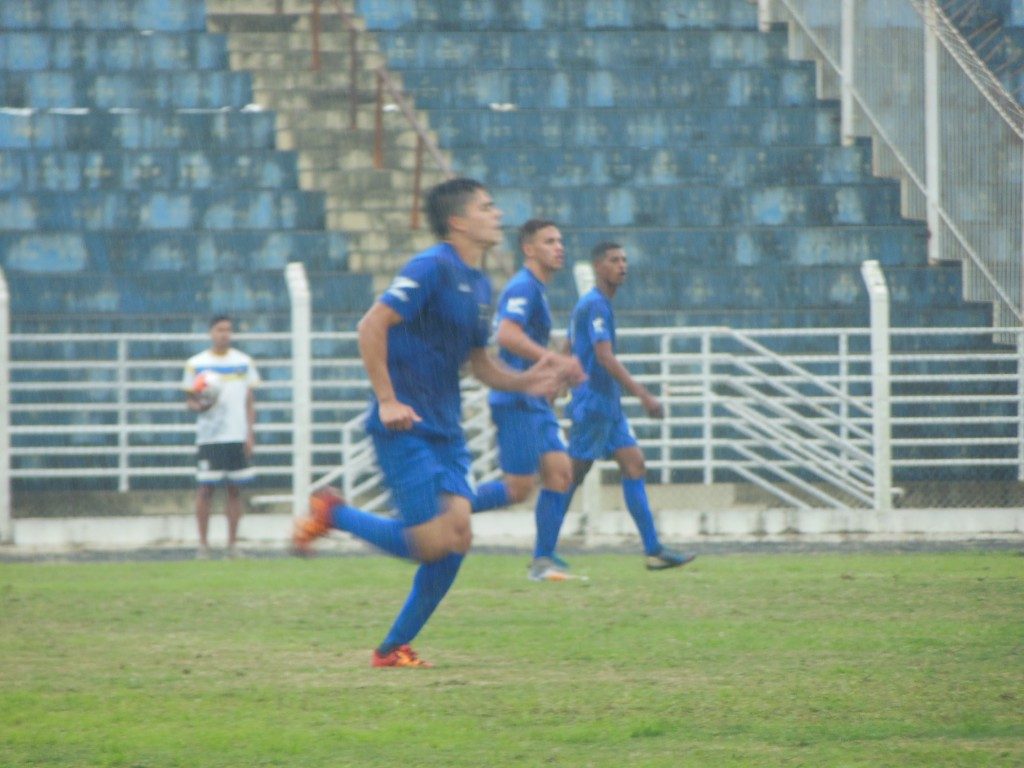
54,170
111,51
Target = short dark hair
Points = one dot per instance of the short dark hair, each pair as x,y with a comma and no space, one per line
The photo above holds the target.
597,253
219,319
532,227
448,199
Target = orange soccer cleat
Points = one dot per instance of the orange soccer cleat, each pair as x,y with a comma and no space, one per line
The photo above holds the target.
402,656
317,523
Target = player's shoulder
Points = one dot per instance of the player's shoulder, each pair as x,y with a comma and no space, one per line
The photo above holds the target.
429,258
521,283
198,358
592,299
236,354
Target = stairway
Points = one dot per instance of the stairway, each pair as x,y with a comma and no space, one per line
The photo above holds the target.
373,206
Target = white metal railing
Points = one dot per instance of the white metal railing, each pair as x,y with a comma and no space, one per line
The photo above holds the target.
115,415
941,121
813,416
6,528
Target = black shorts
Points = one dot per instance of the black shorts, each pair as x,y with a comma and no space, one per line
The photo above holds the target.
223,463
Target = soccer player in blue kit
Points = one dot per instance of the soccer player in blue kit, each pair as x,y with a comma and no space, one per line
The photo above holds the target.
599,427
434,317
528,433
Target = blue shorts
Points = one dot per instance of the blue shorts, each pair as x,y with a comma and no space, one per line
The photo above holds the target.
524,435
417,470
594,437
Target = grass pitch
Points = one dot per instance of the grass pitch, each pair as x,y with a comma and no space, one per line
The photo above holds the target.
737,660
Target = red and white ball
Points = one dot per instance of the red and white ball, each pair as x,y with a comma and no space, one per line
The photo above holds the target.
207,386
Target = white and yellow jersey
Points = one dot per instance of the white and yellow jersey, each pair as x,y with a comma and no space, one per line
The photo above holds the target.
225,422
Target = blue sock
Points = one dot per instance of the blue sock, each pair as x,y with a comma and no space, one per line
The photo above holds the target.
634,490
429,586
385,533
549,513
491,496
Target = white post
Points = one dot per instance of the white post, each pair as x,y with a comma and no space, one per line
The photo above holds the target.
6,524
302,388
590,492
881,404
590,504
583,276
848,33
707,408
932,150
665,431
764,15
1020,405
122,416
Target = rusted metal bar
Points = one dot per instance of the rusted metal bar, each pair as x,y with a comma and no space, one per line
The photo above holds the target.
353,76
314,23
378,124
417,181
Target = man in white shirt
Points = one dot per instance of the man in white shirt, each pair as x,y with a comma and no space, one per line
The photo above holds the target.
224,428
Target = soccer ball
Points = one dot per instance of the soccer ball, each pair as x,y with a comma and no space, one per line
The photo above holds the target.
207,386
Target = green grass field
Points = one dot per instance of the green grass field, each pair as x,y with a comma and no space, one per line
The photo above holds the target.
738,660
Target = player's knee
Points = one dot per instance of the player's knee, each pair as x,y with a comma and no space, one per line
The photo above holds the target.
463,541
635,470
460,530
519,488
430,551
560,481
631,463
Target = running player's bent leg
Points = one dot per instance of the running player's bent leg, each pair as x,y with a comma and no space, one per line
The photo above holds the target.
429,586
492,495
435,577
522,437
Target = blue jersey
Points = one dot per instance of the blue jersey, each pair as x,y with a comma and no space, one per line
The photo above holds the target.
525,302
445,307
592,322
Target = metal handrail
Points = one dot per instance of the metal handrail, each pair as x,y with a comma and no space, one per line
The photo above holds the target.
385,86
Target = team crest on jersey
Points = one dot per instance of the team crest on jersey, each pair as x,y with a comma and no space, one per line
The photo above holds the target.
400,286
598,324
516,306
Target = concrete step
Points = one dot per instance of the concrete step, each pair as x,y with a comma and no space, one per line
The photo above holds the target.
273,92
301,42
303,78
275,58
332,133
270,7
267,22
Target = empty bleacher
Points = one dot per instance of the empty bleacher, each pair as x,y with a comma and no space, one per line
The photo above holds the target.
140,187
